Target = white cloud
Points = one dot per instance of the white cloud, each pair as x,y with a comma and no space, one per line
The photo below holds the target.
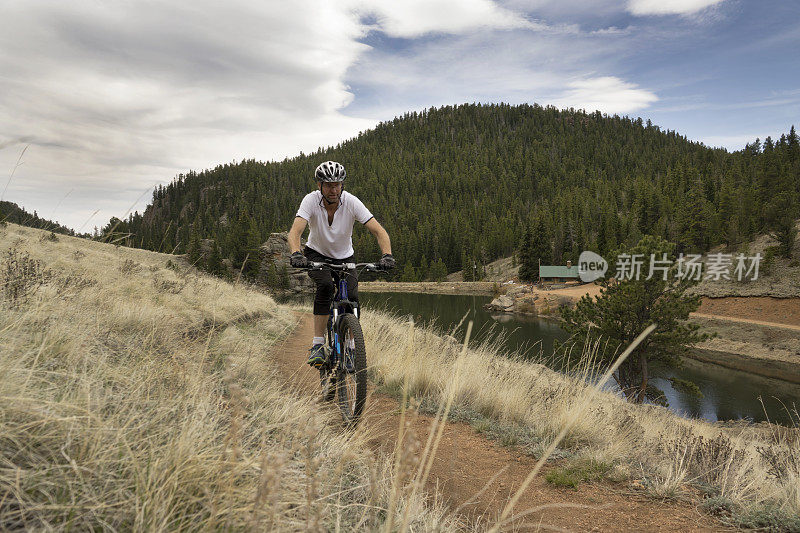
517,66
115,99
607,94
413,18
669,7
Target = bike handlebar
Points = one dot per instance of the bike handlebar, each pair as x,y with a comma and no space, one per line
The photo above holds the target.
369,267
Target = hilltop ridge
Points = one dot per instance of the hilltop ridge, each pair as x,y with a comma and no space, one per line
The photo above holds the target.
460,184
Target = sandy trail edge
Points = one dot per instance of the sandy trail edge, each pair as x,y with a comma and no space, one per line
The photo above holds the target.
747,321
465,462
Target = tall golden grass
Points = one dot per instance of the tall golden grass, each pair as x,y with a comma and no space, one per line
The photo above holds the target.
752,466
138,394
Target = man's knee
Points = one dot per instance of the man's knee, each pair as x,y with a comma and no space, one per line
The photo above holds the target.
324,297
326,290
321,309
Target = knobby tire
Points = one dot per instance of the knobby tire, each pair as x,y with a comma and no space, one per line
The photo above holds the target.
352,387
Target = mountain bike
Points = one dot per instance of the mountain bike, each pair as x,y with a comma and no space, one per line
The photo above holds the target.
345,368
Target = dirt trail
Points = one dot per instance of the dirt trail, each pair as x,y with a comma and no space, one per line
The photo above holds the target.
748,321
465,462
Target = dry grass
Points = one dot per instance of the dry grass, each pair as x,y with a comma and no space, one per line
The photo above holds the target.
753,467
141,397
138,394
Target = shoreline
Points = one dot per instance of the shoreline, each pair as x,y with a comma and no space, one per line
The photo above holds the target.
768,368
482,288
764,348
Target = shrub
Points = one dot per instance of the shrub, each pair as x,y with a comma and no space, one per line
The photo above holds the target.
129,266
48,237
718,506
496,289
766,518
172,287
765,268
577,472
21,276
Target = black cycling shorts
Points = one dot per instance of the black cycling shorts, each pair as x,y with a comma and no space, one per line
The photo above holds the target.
324,280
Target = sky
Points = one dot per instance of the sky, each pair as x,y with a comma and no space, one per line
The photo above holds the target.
100,101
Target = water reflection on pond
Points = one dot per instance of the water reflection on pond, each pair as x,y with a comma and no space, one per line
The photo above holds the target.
727,394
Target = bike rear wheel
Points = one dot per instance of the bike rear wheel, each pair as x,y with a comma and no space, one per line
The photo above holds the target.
351,373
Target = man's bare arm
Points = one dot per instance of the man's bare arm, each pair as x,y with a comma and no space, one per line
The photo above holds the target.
298,227
383,238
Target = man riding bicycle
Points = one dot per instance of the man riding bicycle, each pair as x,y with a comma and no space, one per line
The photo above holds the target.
330,213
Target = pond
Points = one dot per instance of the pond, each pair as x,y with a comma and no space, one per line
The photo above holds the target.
727,394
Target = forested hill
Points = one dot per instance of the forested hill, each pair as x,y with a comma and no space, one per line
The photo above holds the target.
462,183
11,212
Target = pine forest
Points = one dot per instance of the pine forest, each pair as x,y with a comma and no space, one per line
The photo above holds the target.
469,184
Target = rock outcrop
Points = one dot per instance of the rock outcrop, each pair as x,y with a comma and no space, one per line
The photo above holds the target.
517,299
529,300
276,252
503,304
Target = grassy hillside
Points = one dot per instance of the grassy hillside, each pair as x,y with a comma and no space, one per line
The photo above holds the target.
138,394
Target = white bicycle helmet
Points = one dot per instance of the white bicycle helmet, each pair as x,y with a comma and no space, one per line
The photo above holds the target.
330,171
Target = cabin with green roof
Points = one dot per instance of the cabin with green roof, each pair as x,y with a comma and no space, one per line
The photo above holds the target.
558,273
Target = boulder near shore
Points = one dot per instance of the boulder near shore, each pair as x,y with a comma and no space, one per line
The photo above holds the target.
527,299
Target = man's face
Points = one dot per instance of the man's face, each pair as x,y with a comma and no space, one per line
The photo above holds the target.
331,190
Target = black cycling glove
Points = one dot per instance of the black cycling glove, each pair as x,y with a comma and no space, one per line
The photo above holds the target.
298,260
386,262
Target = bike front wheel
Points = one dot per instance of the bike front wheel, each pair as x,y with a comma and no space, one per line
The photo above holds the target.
352,369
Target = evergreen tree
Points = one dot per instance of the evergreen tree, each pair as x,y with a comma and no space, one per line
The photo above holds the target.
793,145
423,269
467,267
283,278
626,308
409,273
438,270
528,267
534,251
272,278
194,250
781,221
693,221
253,248
540,245
214,264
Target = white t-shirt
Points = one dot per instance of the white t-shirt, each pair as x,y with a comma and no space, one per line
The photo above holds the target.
334,240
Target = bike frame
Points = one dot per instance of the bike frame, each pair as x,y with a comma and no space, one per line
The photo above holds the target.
341,304
344,371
